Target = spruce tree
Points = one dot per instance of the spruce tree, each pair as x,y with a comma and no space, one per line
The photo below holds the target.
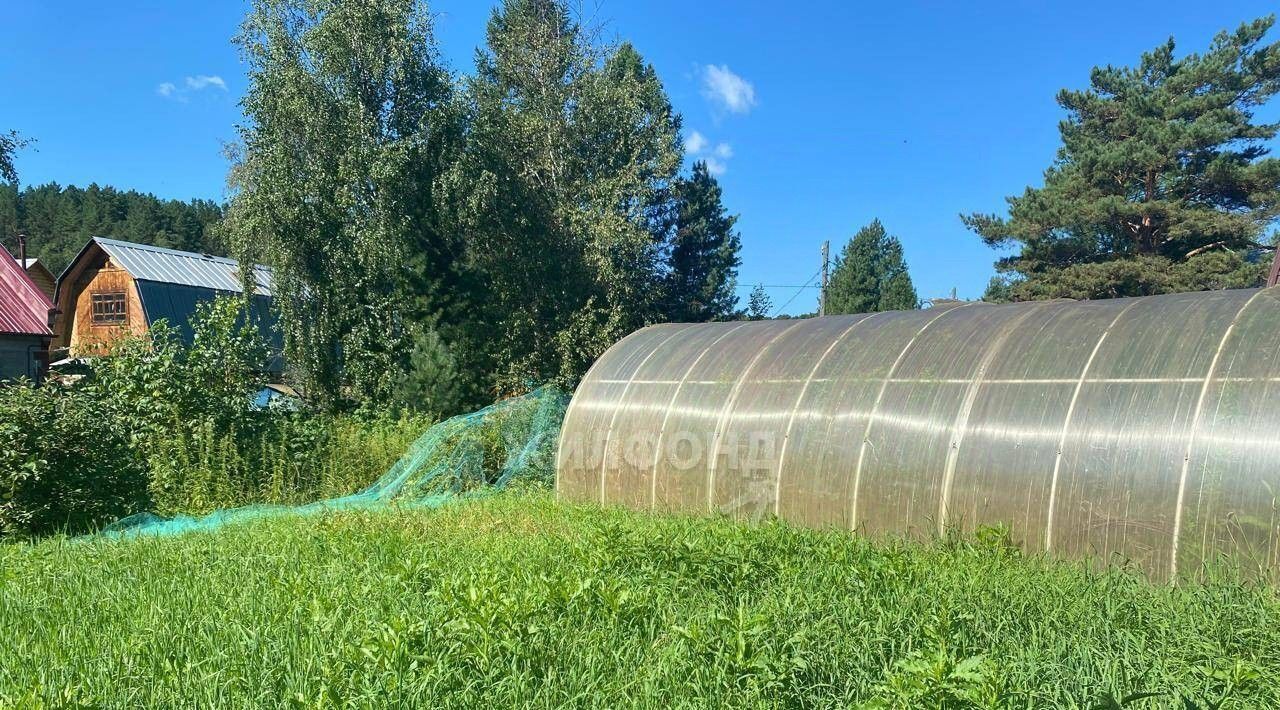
870,275
897,293
705,250
1161,182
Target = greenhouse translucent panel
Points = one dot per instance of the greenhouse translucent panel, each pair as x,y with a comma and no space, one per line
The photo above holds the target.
697,416
582,455
1138,430
1005,468
799,493
678,375
827,438
1124,452
1231,502
914,431
631,437
755,431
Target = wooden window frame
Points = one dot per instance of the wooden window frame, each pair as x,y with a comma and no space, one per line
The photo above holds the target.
108,308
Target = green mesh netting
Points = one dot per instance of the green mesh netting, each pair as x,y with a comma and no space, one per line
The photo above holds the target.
470,454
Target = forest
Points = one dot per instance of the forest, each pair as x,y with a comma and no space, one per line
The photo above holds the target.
59,220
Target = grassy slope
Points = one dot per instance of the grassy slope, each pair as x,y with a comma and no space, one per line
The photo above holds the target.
516,600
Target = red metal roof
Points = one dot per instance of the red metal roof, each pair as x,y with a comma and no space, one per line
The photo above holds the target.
24,309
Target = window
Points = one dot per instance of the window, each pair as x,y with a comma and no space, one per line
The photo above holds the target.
109,308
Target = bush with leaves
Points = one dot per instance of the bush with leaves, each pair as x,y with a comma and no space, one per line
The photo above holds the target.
167,426
166,384
66,461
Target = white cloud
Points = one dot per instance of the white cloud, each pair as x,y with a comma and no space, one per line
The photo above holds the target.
698,147
203,81
695,143
190,85
728,90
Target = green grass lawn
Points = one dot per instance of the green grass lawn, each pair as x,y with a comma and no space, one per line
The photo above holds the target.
518,600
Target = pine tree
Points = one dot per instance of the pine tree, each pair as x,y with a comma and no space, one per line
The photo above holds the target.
870,275
1161,183
702,282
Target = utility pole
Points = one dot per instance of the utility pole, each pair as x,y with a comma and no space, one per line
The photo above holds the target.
826,267
22,250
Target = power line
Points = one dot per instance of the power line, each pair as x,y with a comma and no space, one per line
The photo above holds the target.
797,293
774,286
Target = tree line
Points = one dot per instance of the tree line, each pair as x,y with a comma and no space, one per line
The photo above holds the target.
58,220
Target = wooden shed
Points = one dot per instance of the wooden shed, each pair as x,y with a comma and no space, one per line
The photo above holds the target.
25,315
114,288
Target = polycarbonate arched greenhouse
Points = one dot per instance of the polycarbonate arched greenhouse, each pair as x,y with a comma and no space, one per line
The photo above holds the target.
1142,429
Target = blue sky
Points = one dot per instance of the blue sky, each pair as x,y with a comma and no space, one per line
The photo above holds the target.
822,115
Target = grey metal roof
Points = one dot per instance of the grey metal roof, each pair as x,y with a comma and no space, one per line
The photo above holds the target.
148,263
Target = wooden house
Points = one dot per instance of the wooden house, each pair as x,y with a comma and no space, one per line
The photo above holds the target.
26,314
114,288
41,276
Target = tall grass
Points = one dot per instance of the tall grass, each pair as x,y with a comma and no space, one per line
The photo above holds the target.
516,600
277,459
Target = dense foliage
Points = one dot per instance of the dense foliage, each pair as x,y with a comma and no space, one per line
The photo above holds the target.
59,221
172,428
870,275
1162,182
67,461
348,113
497,231
573,152
517,601
702,283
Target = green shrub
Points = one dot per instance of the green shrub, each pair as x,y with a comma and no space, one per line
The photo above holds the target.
163,426
66,463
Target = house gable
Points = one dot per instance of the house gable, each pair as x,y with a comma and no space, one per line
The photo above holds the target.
100,305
